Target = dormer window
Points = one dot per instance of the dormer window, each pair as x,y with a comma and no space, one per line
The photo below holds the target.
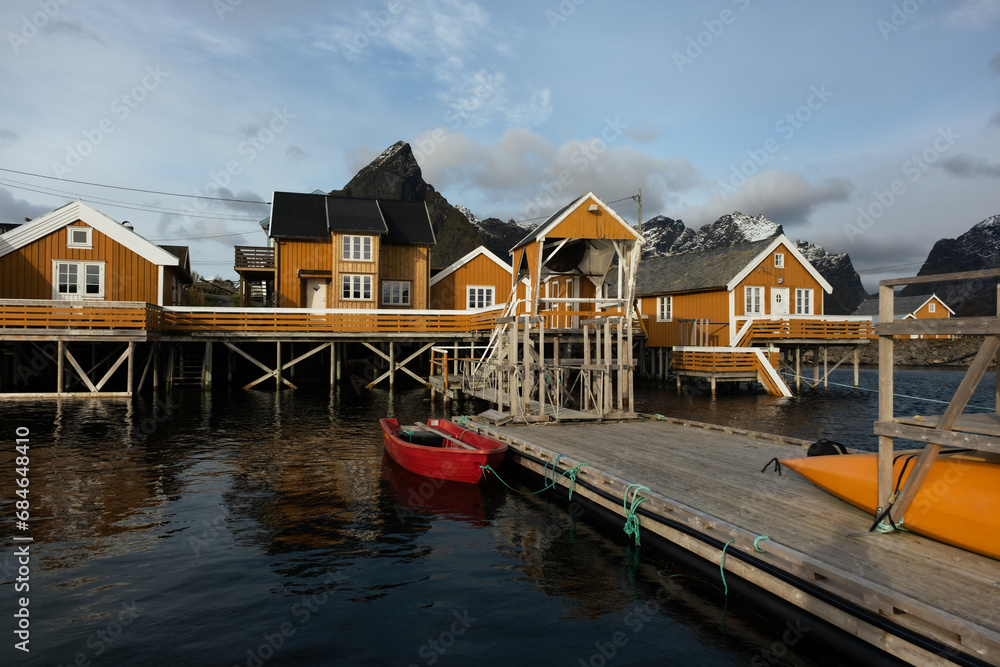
779,260
80,237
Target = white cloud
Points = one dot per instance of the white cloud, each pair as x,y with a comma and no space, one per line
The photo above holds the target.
524,175
975,14
783,197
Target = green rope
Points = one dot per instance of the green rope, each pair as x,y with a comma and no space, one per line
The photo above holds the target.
757,540
631,520
722,569
571,473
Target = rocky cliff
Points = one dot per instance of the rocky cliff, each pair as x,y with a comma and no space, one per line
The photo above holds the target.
395,174
976,249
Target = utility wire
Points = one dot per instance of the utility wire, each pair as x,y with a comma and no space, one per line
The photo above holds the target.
121,187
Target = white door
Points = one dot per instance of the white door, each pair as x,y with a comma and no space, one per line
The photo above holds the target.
316,293
779,300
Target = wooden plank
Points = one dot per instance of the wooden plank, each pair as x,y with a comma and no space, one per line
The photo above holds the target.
445,436
982,443
885,398
925,594
941,277
952,326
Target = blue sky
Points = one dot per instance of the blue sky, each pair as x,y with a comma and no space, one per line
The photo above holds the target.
871,128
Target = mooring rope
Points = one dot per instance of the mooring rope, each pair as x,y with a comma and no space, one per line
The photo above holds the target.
571,473
722,568
631,520
757,540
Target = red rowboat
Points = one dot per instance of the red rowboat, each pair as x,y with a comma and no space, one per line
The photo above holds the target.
441,449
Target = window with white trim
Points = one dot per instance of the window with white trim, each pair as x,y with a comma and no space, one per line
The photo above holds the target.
753,298
80,237
396,292
664,309
803,302
779,260
356,288
357,249
479,296
77,280
931,307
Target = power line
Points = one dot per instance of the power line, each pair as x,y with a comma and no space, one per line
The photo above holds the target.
121,187
179,213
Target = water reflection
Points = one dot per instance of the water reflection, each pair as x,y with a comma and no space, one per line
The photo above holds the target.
224,515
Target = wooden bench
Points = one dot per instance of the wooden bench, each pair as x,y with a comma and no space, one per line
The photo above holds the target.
445,436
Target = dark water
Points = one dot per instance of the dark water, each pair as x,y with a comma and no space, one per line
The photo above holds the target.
838,412
253,528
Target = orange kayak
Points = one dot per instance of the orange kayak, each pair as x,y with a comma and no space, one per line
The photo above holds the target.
958,503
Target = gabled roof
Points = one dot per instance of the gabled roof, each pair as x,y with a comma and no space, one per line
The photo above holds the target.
183,254
553,220
481,250
902,306
64,216
314,216
719,269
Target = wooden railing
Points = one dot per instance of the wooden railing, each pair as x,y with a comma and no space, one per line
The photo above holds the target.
720,360
16,314
251,257
806,327
85,315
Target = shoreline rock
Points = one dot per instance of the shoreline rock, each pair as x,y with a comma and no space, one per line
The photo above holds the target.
945,352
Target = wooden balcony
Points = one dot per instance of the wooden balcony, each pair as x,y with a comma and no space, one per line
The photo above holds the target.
251,258
845,329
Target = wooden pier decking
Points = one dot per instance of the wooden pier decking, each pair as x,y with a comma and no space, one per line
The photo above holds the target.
919,600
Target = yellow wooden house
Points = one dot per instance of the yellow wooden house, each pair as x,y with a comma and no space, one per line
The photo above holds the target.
76,253
341,252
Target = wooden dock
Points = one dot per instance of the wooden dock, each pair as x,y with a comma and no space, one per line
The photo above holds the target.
916,599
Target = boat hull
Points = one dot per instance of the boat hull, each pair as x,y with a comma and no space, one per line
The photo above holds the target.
440,458
958,502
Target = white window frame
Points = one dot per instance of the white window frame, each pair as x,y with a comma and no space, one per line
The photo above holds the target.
88,233
664,309
479,296
357,248
81,271
396,292
757,293
779,260
351,284
931,307
805,307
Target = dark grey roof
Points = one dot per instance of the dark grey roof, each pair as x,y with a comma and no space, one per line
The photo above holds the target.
901,305
183,253
8,226
540,228
298,216
314,216
354,215
695,271
407,222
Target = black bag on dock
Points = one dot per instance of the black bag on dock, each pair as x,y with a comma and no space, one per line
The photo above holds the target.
824,447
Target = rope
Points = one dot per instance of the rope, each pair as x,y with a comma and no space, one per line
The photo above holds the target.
757,540
875,391
571,473
722,569
631,520
777,466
